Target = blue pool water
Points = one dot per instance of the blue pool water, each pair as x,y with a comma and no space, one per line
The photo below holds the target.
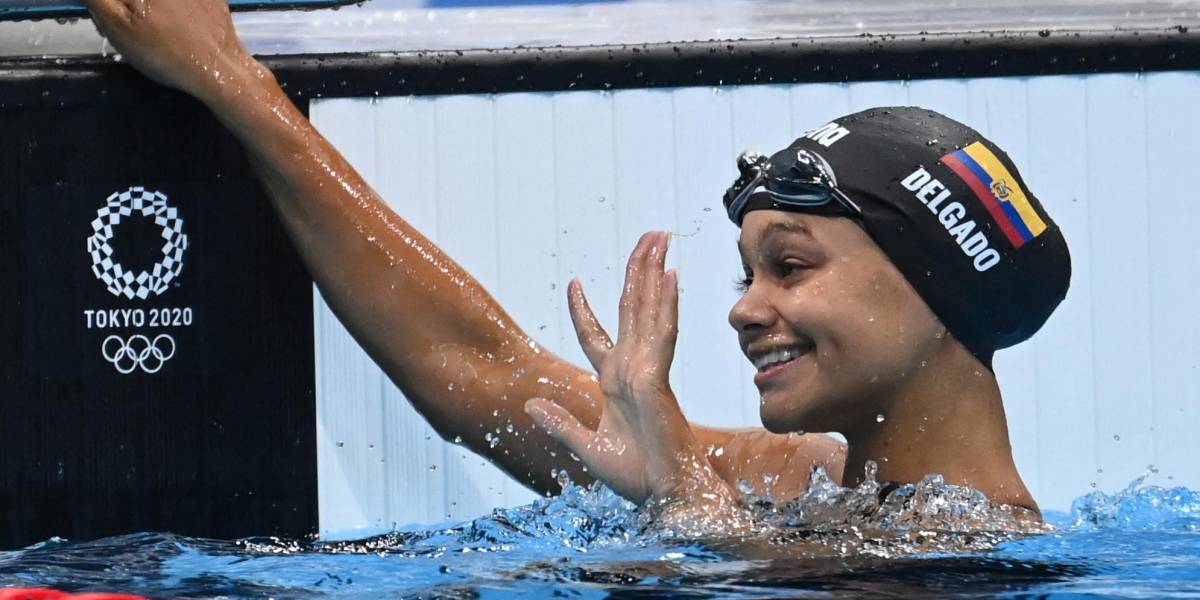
929,540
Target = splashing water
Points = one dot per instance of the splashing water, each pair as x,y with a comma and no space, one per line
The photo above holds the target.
890,520
927,539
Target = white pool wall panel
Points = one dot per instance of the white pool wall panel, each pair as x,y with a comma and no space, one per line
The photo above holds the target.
528,190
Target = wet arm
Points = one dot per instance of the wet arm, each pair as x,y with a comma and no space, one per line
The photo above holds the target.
463,363
433,329
454,352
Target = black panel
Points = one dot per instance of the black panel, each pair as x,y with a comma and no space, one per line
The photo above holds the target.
742,62
218,438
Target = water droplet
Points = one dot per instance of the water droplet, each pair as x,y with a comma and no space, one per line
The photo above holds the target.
458,439
879,418
745,487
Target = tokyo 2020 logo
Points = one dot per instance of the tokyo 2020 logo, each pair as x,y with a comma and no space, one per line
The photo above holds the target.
118,280
145,352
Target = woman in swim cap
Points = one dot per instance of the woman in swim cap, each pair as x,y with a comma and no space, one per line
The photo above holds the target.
872,304
882,271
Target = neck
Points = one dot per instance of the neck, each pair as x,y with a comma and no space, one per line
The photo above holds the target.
947,420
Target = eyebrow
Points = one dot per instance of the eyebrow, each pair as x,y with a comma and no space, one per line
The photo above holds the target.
774,227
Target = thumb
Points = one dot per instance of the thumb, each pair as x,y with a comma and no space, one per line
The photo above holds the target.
561,425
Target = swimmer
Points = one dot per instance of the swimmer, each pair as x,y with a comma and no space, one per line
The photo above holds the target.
887,256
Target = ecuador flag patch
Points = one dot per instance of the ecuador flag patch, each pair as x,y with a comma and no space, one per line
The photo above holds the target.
998,190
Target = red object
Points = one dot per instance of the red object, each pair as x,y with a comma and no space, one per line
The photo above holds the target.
46,594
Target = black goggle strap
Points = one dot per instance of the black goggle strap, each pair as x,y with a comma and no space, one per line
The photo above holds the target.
742,194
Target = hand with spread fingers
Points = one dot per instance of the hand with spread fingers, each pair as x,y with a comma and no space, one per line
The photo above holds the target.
643,447
188,45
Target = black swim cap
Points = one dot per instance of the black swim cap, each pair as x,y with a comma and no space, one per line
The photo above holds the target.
946,205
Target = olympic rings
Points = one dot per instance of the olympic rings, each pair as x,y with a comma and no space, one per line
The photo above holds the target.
138,352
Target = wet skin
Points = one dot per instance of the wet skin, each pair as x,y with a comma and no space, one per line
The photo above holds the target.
469,369
440,337
866,357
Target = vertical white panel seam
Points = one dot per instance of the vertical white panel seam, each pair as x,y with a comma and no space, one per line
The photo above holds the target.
615,175
732,149
791,94
496,254
683,373
1087,188
1037,394
384,381
558,261
436,222
1149,271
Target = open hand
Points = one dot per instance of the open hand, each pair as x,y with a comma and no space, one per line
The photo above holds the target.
643,448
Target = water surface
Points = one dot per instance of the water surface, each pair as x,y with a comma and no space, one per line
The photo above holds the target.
929,540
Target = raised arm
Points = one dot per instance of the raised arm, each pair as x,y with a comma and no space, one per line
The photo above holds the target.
457,356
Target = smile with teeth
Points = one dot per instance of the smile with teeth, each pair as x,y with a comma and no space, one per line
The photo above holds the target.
778,356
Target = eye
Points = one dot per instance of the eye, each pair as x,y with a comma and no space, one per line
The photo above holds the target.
742,284
792,266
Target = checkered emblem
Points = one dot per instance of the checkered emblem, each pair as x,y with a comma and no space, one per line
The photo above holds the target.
121,282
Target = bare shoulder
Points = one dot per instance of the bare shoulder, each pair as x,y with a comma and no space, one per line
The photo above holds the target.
773,463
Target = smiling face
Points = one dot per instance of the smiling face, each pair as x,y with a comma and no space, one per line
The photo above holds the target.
831,325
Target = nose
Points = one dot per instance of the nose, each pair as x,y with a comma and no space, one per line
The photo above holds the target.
753,312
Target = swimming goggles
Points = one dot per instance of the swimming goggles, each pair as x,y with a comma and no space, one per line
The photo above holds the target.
795,178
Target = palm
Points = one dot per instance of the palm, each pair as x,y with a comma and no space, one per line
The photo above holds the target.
616,437
643,443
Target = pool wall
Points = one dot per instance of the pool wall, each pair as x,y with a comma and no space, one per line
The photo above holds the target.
533,165
528,190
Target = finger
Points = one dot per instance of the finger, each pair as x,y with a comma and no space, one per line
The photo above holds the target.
592,337
562,426
629,294
651,290
108,12
668,318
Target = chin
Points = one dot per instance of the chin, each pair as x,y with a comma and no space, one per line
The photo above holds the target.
786,416
793,415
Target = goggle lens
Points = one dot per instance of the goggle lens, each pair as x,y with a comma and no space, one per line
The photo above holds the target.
793,177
